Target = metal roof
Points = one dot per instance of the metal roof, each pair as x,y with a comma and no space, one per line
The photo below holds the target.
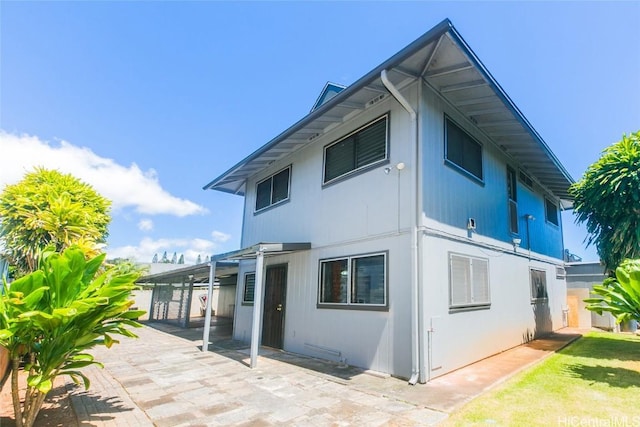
199,273
266,248
226,263
444,61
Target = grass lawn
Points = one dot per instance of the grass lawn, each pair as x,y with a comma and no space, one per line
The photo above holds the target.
593,382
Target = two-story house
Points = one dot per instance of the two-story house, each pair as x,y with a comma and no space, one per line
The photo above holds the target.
413,219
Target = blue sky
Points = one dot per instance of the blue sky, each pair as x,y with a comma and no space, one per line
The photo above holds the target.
149,101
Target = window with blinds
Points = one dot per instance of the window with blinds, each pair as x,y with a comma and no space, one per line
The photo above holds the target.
360,149
273,190
468,281
249,288
462,151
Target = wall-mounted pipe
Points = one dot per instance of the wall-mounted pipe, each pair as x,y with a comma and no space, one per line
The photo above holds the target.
416,304
528,218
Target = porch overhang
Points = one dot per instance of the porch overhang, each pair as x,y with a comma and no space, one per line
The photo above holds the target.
444,62
268,249
257,252
198,273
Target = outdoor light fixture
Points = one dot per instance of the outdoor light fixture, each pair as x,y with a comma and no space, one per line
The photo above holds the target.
516,243
399,166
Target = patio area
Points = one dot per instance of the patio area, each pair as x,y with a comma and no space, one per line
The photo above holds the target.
164,379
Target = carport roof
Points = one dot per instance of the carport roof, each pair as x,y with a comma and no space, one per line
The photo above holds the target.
444,61
226,263
266,248
200,273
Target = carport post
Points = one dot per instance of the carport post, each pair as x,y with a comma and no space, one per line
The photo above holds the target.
207,316
257,308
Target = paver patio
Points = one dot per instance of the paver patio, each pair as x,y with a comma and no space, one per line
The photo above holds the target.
164,379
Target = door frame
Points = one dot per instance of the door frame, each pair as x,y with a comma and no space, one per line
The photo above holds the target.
265,309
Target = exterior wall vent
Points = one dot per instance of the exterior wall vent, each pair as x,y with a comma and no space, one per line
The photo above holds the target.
376,100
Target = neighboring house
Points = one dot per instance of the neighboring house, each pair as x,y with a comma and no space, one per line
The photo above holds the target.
425,212
581,276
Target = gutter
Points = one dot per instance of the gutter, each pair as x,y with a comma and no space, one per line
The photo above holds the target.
416,306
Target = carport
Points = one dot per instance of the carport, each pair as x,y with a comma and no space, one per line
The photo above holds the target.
173,290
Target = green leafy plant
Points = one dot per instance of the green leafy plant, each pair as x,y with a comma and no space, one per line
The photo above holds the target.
619,296
55,314
50,208
607,199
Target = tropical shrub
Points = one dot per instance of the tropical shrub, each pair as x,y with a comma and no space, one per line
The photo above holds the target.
53,315
619,295
50,208
607,199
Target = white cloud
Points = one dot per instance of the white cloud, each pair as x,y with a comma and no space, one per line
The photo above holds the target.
124,186
147,248
145,225
219,236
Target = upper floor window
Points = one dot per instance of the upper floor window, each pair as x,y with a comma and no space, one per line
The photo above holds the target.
526,180
358,281
364,147
551,211
512,195
462,150
273,190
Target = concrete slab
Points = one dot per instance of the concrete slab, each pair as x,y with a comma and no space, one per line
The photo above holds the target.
164,379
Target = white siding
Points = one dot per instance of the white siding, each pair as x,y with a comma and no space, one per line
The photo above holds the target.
377,340
369,213
367,204
463,337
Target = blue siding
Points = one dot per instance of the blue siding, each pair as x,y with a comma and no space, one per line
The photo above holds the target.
452,197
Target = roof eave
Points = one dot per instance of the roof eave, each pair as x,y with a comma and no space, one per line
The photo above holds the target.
367,79
508,102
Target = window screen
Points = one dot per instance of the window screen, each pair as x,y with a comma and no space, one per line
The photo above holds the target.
462,150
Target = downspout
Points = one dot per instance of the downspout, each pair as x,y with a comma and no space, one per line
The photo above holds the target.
416,327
